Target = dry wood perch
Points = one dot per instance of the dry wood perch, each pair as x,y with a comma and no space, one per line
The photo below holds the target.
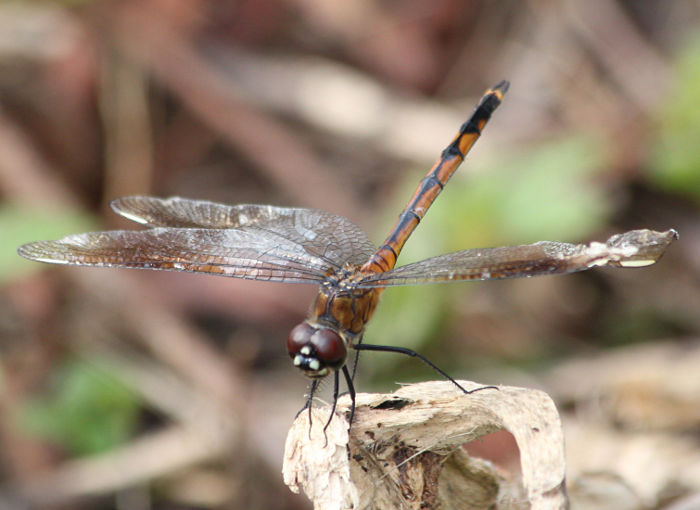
404,451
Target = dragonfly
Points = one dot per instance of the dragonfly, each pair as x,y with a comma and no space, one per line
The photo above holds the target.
299,245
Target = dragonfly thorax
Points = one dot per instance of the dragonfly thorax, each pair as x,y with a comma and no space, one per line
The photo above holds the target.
316,350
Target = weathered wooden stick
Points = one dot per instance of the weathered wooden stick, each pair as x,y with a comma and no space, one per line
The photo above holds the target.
404,451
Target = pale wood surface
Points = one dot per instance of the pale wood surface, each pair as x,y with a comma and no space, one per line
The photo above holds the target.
404,451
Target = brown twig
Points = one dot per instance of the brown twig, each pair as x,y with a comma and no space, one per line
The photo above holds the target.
175,63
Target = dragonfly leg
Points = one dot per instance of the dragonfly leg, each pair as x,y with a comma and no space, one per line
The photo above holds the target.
354,365
414,354
336,385
309,400
351,390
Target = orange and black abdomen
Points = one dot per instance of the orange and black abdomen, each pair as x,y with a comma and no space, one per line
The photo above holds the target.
433,183
341,305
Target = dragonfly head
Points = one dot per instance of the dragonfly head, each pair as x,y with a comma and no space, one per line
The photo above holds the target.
316,350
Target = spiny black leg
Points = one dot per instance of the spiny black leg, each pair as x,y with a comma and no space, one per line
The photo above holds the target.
351,390
409,352
307,404
336,385
312,390
354,366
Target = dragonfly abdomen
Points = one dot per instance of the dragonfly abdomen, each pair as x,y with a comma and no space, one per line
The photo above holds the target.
432,184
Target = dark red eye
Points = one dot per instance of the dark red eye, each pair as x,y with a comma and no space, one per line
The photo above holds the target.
329,347
298,337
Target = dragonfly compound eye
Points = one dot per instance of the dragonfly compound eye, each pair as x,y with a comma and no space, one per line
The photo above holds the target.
298,337
316,351
329,347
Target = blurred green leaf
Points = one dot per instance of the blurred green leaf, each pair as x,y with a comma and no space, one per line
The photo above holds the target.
89,411
20,224
675,159
543,193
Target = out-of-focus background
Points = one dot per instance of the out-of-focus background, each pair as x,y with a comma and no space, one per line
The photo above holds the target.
144,390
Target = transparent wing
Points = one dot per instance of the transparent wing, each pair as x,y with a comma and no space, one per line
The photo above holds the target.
258,242
234,253
635,248
304,231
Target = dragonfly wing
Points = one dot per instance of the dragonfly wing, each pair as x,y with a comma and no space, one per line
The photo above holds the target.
635,248
321,234
239,253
